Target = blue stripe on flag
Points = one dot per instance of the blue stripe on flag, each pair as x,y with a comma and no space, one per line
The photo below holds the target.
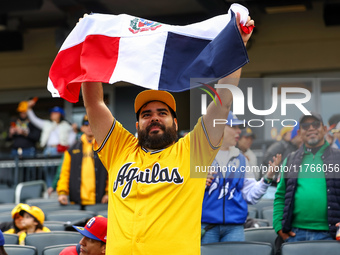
187,57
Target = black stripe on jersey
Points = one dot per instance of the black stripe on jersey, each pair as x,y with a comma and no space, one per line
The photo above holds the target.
207,136
107,136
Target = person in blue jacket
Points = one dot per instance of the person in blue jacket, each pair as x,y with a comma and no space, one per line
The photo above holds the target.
231,185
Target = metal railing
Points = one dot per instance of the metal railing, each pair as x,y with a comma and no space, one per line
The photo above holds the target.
35,165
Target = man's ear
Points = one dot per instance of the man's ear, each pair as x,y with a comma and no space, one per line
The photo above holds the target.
175,120
103,249
136,125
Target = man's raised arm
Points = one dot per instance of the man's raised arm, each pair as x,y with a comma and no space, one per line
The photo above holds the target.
218,111
99,115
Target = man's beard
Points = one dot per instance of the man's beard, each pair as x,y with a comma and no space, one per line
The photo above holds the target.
313,141
157,141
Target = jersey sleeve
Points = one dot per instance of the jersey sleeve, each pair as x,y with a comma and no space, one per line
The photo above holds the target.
202,151
116,141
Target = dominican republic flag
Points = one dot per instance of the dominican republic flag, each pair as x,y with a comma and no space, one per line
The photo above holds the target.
111,48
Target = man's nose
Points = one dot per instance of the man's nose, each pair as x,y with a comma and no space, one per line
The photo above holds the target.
154,117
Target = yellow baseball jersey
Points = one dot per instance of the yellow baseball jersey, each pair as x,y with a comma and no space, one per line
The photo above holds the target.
154,205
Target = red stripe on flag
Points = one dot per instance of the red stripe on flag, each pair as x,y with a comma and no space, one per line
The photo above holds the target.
93,60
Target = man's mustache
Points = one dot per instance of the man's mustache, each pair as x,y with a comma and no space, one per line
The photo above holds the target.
155,124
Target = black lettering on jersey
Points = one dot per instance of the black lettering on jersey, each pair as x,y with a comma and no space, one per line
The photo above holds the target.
127,175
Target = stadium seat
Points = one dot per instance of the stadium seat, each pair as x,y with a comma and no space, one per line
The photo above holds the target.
69,215
262,234
44,239
55,225
47,208
252,212
55,249
42,201
311,248
262,203
96,208
102,213
31,189
5,216
11,238
15,249
224,248
8,207
267,214
7,195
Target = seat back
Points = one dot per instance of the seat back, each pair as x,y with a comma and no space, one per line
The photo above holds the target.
262,234
96,208
7,207
252,212
44,239
15,249
102,213
11,238
31,189
53,207
55,225
224,248
7,196
262,203
267,214
5,216
55,249
42,201
321,247
69,215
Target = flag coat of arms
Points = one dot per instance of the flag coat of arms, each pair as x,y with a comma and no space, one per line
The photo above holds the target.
111,48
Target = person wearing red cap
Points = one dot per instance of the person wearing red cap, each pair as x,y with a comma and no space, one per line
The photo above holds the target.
94,238
154,204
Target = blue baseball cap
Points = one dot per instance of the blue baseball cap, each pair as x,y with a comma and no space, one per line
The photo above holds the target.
2,239
294,131
58,109
232,120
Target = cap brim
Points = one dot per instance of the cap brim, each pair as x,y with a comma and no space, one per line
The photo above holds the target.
154,95
86,233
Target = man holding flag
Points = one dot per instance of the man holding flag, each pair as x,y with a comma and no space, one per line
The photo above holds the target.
154,205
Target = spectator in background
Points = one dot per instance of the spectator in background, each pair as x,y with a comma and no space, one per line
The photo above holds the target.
283,146
2,243
23,134
307,200
295,138
336,136
229,189
16,225
33,222
244,143
57,135
83,169
94,238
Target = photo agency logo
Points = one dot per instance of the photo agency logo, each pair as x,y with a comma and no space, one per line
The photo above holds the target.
278,100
